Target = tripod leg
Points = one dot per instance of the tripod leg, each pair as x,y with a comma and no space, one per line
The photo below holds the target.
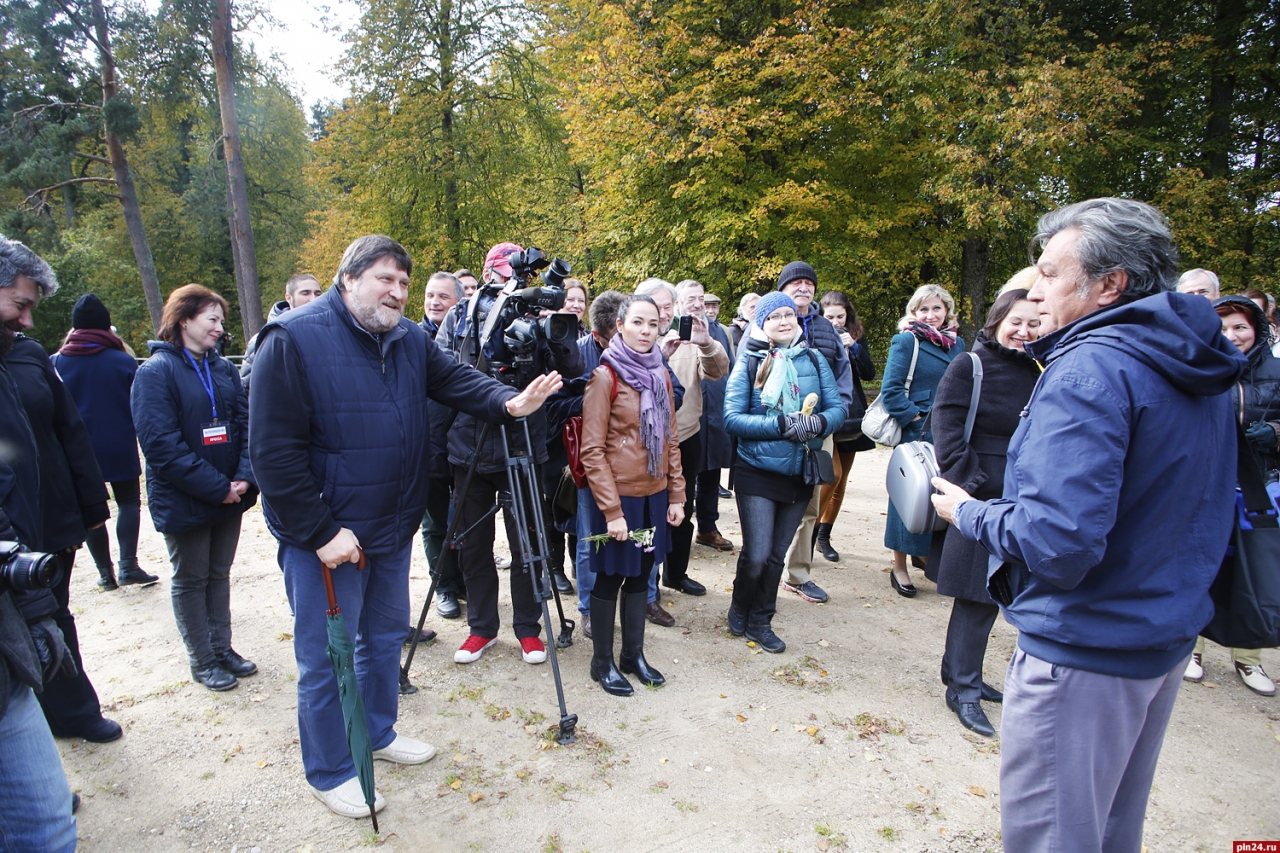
406,687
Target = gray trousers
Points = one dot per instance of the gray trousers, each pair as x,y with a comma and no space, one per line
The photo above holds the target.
201,588
1078,753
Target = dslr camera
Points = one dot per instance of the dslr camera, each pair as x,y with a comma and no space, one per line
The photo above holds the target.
513,328
26,570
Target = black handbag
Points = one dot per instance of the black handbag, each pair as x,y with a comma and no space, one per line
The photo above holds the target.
1246,592
818,469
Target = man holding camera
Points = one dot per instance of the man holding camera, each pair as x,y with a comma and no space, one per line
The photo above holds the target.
35,800
339,409
474,342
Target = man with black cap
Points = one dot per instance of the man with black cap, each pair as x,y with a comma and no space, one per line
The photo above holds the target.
98,374
799,281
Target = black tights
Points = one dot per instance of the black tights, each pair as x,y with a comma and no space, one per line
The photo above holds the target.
607,586
128,520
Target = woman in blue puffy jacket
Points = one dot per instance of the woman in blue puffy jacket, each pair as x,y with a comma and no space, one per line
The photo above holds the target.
192,418
762,408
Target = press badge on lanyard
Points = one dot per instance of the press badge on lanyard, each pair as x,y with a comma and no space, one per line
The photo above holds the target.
212,432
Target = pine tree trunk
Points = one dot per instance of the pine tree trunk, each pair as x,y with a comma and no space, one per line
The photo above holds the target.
246,261
124,177
975,259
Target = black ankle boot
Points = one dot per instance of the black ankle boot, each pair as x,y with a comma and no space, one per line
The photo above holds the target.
107,578
632,659
131,573
603,670
824,543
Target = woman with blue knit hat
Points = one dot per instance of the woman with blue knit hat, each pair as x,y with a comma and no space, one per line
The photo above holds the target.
765,408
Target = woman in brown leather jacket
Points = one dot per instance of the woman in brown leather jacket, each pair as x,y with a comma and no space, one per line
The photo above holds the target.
631,455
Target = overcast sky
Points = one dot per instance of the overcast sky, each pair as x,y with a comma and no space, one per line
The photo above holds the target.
307,39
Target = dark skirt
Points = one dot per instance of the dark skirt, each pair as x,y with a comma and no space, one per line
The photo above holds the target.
623,558
896,537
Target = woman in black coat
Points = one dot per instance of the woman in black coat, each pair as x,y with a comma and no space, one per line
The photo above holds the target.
72,499
838,308
98,373
192,417
956,564
1246,325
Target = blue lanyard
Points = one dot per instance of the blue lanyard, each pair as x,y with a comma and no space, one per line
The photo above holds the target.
206,380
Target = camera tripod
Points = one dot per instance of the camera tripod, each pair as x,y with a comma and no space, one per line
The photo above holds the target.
523,502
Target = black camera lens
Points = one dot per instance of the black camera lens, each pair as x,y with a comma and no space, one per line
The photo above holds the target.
560,328
26,570
556,273
521,337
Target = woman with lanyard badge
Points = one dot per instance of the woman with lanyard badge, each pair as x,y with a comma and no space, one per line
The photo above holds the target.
191,414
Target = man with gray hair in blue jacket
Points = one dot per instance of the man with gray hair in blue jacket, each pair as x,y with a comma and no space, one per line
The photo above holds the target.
1099,560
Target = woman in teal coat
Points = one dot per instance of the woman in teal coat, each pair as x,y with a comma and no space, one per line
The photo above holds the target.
763,409
926,325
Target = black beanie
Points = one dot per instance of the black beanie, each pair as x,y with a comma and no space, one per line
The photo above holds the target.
795,270
90,313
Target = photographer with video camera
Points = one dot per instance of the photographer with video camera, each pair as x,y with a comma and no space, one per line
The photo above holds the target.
35,801
503,336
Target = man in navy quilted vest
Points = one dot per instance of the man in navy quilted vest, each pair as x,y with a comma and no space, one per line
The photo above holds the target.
338,439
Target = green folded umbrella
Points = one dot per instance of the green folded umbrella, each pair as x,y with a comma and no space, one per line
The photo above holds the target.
342,654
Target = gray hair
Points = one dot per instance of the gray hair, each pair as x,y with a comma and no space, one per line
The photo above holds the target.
604,311
686,284
650,286
742,303
16,259
1191,275
1117,234
458,290
366,251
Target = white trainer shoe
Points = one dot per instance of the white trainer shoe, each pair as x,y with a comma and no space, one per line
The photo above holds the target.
405,750
1255,679
348,800
1195,671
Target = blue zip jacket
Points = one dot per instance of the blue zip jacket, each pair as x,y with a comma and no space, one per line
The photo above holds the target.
340,424
760,441
1119,489
186,478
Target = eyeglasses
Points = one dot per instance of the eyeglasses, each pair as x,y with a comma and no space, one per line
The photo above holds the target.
781,315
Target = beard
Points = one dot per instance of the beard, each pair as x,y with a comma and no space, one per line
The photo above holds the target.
6,340
376,318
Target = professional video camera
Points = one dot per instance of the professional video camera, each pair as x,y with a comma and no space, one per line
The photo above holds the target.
26,570
515,309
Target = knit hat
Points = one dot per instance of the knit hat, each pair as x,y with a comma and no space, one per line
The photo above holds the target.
90,313
497,258
796,270
771,302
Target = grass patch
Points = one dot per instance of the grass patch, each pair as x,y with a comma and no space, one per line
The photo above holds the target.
807,673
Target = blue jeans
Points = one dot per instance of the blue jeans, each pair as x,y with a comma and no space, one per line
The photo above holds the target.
35,801
767,529
586,577
375,604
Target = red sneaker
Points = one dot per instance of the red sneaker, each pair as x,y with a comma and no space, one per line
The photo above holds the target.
533,650
473,648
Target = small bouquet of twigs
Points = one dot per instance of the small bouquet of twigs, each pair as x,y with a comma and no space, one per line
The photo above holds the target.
642,539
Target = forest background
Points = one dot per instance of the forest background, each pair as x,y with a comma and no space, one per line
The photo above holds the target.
888,143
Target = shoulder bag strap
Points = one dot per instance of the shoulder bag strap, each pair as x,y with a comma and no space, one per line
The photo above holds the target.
1258,507
974,396
915,355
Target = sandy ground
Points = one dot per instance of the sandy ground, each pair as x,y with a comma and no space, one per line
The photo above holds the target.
841,742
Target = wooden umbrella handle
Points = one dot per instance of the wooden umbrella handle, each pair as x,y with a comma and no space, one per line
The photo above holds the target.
328,583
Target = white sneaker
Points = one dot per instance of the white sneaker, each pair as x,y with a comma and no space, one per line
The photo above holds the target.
405,750
1195,671
1255,679
348,800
